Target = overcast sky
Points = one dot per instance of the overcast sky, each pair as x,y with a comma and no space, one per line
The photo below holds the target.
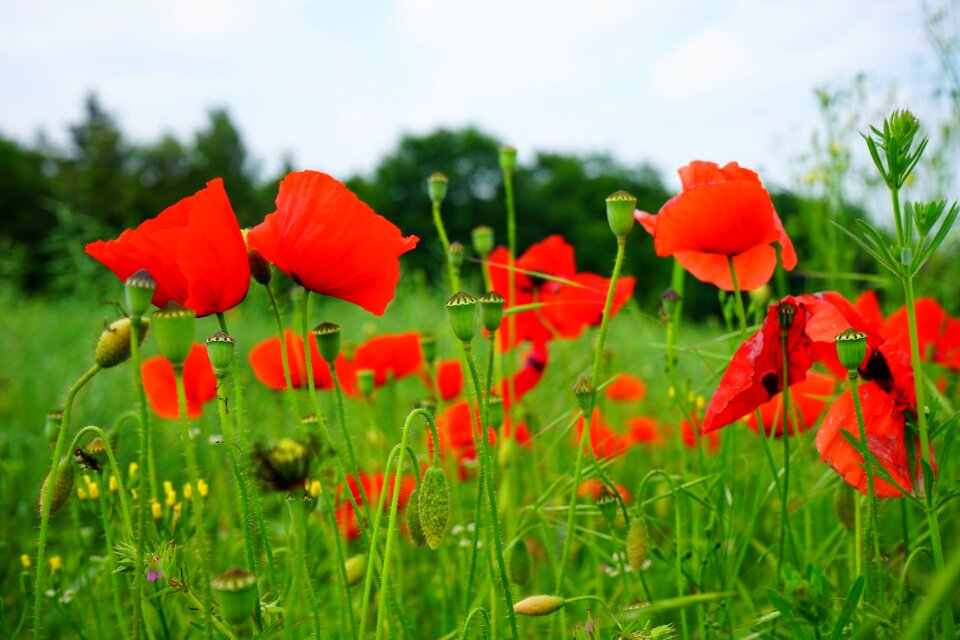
336,83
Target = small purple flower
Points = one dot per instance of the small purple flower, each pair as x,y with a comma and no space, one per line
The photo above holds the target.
152,575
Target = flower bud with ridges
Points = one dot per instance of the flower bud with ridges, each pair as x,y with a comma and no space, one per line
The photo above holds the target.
482,240
585,393
428,346
437,187
414,528
365,382
328,340
508,159
851,348
638,542
236,591
456,254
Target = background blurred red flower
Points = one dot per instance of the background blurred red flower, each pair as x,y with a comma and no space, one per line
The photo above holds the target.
626,388
327,240
373,486
266,360
160,384
722,212
605,441
193,250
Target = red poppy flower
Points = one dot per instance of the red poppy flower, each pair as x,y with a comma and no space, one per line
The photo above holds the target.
160,384
722,212
755,373
591,489
449,379
372,485
521,434
267,363
389,356
605,441
194,251
327,240
644,429
456,435
529,375
570,302
808,399
626,388
930,320
690,437
869,308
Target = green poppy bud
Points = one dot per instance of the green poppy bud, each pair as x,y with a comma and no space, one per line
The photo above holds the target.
462,310
328,340
437,187
520,563
586,394
620,208
113,345
491,310
456,254
538,605
236,590
139,289
174,327
851,348
414,528
638,542
428,346
62,487
482,241
365,382
434,505
508,159
220,349
51,425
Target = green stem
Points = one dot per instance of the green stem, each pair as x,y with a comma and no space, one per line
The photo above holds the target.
341,560
466,623
289,393
678,526
341,414
108,538
485,462
442,232
303,550
196,501
47,496
869,545
114,469
510,363
785,435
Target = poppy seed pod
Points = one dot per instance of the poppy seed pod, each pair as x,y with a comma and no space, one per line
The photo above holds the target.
456,254
491,310
259,267
428,346
236,591
851,348
620,209
520,563
462,310
414,528
138,289
482,240
437,187
538,605
508,159
328,340
62,487
638,542
113,345
174,327
585,393
220,349
434,505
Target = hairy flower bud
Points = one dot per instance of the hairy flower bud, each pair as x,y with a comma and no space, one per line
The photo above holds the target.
434,505
113,345
62,486
520,563
585,393
414,528
538,605
491,310
356,567
220,348
138,289
638,542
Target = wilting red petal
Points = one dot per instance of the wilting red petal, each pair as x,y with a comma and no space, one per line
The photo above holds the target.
808,399
626,388
160,384
326,239
930,319
193,250
643,429
884,425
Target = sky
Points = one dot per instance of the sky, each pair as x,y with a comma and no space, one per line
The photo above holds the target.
335,84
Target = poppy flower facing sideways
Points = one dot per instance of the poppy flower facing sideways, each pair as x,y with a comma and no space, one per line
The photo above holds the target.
808,399
755,374
324,238
160,384
267,363
570,303
645,430
722,212
193,250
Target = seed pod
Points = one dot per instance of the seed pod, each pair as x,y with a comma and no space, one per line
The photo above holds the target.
434,505
851,348
113,346
620,209
520,563
414,529
638,542
462,311
538,605
173,326
356,567
845,507
139,288
62,488
236,589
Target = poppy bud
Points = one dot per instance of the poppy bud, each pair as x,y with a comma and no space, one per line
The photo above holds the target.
456,254
494,411
414,529
328,340
607,504
174,327
236,589
520,563
138,289
482,241
434,505
62,487
113,346
785,314
365,382
462,309
259,267
585,393
851,348
428,346
638,542
538,605
51,426
220,348
437,187
620,209
356,567
491,310
508,159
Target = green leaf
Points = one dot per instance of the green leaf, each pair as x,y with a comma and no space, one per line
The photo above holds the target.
949,423
853,598
888,263
782,604
938,239
927,481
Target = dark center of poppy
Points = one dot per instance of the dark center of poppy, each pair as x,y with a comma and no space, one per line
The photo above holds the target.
771,383
877,370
